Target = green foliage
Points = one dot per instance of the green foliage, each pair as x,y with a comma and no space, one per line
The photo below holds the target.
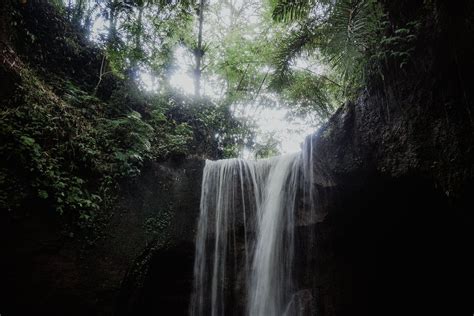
397,46
40,131
156,225
231,135
141,33
216,132
343,32
126,143
238,58
69,151
169,137
251,59
289,10
267,149
310,94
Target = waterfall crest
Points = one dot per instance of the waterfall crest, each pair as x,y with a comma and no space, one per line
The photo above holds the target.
244,262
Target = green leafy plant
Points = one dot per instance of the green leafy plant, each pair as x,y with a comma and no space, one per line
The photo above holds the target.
343,32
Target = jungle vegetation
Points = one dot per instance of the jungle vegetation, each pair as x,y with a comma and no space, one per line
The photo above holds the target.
92,93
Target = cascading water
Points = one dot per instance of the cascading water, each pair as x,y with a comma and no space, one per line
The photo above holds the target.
244,262
271,281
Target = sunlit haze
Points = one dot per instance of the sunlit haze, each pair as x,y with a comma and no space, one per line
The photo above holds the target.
269,122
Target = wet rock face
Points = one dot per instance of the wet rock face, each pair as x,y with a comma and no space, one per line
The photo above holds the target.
44,272
393,247
159,282
159,279
396,172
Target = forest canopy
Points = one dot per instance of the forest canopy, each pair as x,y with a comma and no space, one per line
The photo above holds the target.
253,57
98,89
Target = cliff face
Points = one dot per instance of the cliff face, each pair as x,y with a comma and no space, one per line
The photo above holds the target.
45,272
398,221
395,179
159,279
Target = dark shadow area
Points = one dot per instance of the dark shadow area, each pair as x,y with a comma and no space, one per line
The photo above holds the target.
396,247
162,283
167,288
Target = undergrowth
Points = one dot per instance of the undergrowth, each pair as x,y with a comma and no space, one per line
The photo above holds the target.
68,151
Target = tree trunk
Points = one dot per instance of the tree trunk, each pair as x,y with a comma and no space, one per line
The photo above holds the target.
137,49
199,52
111,36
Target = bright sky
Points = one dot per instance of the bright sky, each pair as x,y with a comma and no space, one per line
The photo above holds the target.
269,121
275,122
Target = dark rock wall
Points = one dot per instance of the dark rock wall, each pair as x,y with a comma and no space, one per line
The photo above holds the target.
395,180
160,279
44,272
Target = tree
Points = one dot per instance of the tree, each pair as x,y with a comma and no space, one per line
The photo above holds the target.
199,51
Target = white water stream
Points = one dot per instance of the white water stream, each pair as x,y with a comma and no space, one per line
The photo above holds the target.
244,262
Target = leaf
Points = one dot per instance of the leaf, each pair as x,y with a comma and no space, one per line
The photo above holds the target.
42,194
27,140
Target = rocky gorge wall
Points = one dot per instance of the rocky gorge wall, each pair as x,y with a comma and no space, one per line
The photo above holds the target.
45,272
395,178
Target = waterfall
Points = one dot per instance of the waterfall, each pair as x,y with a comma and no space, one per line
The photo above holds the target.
244,262
271,281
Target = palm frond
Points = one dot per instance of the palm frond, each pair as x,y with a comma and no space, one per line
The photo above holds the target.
311,94
300,39
343,35
289,10
164,3
350,31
